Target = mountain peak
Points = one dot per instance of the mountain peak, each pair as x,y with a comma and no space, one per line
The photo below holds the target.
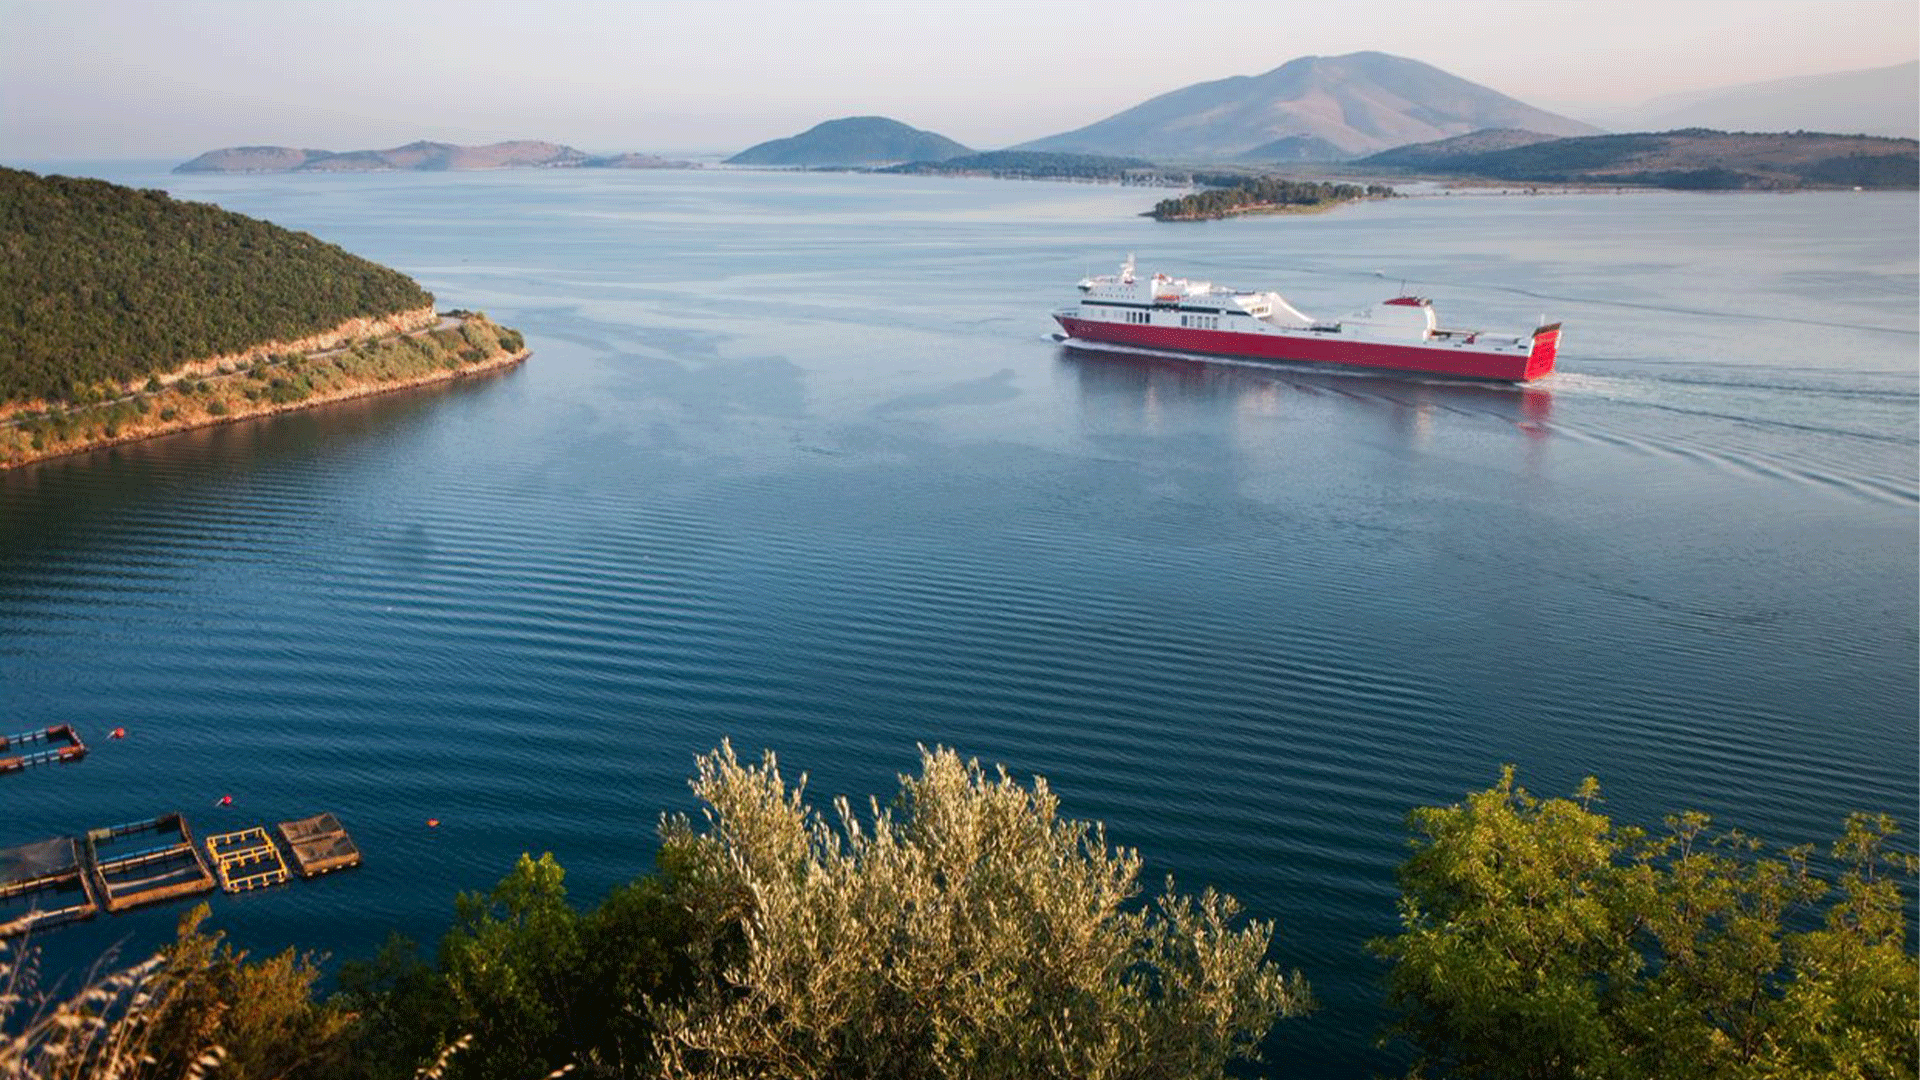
852,140
1359,103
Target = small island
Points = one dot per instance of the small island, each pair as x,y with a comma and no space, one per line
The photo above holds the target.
130,314
1234,196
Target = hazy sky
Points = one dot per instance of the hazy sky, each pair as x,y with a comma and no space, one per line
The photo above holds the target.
128,78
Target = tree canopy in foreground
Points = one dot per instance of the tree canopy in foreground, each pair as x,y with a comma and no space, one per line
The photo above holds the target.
1540,940
965,929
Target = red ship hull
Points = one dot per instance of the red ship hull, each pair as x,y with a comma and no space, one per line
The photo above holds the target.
1457,362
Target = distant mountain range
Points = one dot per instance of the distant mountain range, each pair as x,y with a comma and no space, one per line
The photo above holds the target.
1357,104
422,156
1690,158
1877,101
1310,109
853,140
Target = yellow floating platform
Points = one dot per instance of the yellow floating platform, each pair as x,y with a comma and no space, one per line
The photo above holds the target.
246,859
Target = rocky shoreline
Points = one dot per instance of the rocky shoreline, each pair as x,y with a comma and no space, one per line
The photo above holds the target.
454,348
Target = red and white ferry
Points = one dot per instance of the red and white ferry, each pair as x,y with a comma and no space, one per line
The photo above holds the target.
1401,334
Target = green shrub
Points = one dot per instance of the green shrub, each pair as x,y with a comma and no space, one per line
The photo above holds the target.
1538,939
969,931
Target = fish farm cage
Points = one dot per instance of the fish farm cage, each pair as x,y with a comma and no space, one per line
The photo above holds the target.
66,879
56,745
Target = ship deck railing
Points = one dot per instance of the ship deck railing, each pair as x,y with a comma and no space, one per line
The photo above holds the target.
58,744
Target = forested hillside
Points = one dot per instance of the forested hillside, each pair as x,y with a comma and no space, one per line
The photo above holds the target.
1030,165
1694,158
105,284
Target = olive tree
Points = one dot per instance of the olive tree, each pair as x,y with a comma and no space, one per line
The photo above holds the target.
966,930
1538,939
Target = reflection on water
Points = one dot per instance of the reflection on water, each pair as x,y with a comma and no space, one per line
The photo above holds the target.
61,506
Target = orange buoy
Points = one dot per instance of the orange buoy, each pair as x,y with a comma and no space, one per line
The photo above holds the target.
118,733
433,823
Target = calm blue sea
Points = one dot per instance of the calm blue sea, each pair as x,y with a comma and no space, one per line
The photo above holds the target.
796,463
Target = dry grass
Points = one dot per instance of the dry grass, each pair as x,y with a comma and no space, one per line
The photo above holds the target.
102,1032
107,1030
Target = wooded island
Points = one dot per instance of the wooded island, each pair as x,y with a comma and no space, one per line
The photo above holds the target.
1232,195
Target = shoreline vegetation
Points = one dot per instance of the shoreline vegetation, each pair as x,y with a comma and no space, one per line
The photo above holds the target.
106,286
130,314
1236,196
967,929
270,379
1039,165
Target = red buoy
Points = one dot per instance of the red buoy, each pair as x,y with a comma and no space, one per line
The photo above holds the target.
118,733
225,800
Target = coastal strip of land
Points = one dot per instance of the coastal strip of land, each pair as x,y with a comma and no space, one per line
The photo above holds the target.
1234,196
361,357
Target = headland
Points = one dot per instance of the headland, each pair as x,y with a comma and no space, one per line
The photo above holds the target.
362,358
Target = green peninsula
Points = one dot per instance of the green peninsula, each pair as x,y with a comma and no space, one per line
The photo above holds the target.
1035,165
1229,195
125,313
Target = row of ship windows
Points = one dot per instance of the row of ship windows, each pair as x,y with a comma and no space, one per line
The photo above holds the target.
1197,322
